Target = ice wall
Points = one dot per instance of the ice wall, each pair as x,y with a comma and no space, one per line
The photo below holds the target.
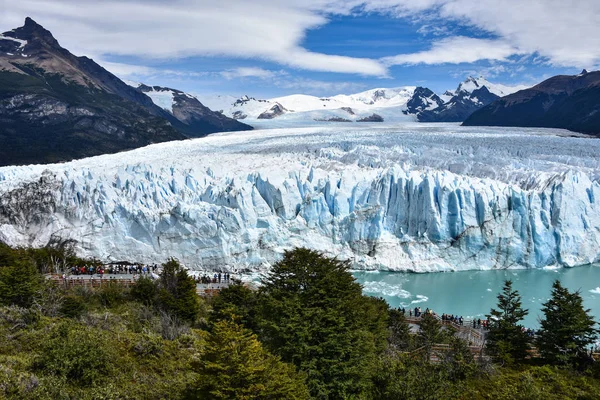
242,209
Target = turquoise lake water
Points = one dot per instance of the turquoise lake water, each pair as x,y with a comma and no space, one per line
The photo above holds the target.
473,293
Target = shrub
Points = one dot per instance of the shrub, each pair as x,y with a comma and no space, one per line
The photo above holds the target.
144,290
73,306
111,294
78,354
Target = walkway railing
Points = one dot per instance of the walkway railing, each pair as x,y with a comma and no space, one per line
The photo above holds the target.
465,331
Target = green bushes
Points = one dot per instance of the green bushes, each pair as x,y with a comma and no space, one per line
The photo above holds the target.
79,355
73,306
111,294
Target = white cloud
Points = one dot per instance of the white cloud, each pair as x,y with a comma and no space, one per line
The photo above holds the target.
265,29
595,291
127,71
248,72
562,32
456,50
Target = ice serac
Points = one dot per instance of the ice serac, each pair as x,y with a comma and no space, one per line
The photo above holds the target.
236,202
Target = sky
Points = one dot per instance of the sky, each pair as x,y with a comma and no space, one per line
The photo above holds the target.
269,48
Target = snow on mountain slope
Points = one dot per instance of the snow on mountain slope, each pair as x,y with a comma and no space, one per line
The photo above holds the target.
380,97
304,109
164,98
472,83
419,197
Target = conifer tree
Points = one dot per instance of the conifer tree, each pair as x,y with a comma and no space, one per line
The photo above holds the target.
567,329
399,338
236,366
236,302
430,333
507,340
314,315
19,283
178,292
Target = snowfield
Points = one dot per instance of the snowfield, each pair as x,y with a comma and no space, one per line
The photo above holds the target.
419,197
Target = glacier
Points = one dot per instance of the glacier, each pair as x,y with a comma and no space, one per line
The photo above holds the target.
409,197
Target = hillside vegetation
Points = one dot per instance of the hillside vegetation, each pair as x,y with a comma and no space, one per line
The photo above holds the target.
308,332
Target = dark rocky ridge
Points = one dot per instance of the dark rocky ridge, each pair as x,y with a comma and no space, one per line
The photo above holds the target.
371,118
273,112
459,107
421,100
564,101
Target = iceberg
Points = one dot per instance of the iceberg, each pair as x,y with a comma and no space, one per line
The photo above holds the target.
414,197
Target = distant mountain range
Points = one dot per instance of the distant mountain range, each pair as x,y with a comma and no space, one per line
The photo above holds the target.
568,102
407,103
55,106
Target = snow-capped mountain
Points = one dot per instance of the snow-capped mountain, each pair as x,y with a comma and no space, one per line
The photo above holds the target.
390,104
417,198
422,99
472,84
470,96
403,104
190,112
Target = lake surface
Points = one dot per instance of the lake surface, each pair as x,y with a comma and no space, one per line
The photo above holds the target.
473,293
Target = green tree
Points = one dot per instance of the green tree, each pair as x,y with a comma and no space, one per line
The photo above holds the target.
458,360
506,340
19,283
313,314
567,329
236,302
236,366
402,376
177,293
145,291
430,333
400,338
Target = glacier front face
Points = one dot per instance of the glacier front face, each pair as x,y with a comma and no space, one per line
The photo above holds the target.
415,197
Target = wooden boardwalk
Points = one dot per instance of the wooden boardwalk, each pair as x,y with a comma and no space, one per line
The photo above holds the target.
474,337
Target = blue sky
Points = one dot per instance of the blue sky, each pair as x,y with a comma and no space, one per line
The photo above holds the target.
268,48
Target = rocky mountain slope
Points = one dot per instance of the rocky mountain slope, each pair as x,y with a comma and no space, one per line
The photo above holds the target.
198,120
470,96
568,102
55,106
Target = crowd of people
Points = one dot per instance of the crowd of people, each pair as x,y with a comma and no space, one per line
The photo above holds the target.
455,319
216,278
110,269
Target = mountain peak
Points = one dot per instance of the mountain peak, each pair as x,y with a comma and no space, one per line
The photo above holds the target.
29,22
33,33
